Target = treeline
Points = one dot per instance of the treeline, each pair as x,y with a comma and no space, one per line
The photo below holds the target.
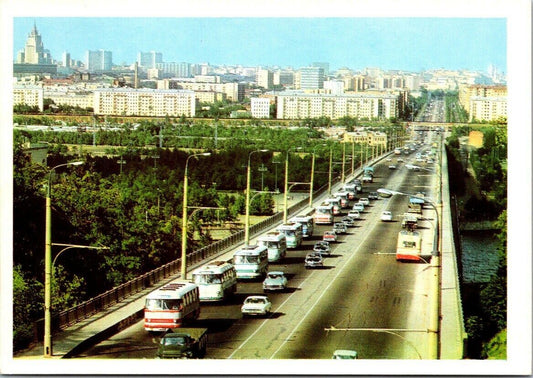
488,317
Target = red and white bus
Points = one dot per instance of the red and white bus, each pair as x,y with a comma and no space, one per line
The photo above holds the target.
171,305
409,246
324,214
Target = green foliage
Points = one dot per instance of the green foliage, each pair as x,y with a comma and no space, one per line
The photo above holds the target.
496,348
28,302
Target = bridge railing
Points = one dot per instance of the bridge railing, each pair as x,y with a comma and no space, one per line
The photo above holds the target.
117,294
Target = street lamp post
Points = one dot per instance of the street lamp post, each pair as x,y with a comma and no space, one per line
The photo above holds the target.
48,262
247,216
286,187
312,177
184,217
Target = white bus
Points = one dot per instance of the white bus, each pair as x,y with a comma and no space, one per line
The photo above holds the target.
276,244
409,246
293,233
307,224
336,202
324,214
251,261
216,281
171,305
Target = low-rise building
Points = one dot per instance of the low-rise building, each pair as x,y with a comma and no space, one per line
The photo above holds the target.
29,95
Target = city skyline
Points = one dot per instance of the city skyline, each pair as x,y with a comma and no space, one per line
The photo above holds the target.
407,44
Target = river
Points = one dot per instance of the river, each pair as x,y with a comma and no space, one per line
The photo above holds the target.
479,256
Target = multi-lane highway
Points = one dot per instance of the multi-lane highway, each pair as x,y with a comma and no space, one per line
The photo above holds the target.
380,304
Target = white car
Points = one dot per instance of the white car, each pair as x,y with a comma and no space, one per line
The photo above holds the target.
275,281
359,207
386,216
354,214
256,305
364,201
343,354
340,228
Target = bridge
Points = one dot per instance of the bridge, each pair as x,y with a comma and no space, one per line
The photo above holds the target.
101,317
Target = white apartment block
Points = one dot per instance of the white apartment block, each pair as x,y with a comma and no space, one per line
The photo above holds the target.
335,87
144,102
29,95
264,78
232,91
83,100
260,107
487,108
299,106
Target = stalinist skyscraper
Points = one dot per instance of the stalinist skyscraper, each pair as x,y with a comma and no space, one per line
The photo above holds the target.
34,52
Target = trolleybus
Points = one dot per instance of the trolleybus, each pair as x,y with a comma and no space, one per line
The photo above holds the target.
409,246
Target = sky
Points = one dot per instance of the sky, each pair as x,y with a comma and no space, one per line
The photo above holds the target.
409,44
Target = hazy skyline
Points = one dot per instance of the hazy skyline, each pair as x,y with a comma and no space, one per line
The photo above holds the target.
409,44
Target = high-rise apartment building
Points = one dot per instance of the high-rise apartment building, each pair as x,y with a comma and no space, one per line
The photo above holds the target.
311,78
149,59
34,52
66,59
100,60
323,65
264,78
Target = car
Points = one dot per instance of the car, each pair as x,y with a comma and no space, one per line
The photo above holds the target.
392,166
322,248
389,159
340,228
354,214
364,201
348,221
373,196
256,305
386,216
344,354
313,260
400,160
329,236
359,207
368,178
275,281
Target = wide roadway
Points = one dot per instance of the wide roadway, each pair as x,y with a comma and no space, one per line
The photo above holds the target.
382,303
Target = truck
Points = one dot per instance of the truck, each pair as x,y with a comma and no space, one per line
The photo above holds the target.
183,343
415,205
368,171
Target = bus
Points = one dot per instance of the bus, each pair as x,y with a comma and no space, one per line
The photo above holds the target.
171,305
293,233
307,224
251,261
336,202
324,214
216,281
409,246
343,196
276,244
